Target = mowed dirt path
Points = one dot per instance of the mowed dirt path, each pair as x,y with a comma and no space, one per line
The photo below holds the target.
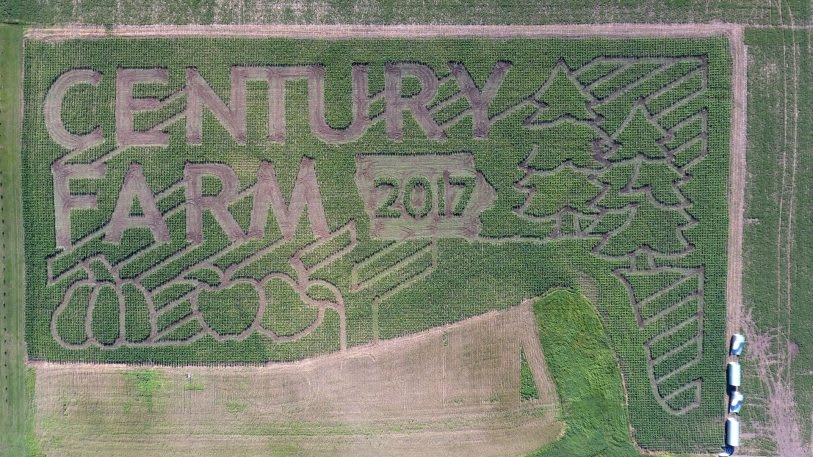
736,184
450,391
387,31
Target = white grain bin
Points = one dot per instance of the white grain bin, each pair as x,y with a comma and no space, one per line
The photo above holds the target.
736,402
729,451
733,374
732,432
737,344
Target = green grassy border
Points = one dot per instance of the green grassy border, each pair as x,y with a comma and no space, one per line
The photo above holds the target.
778,295
584,367
16,422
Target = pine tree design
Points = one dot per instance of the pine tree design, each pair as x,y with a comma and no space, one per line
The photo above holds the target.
564,194
621,181
562,97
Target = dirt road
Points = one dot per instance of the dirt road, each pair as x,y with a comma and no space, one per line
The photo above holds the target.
390,31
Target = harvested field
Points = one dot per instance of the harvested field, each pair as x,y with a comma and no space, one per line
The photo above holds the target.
453,390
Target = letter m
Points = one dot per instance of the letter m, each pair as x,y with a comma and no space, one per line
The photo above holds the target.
268,195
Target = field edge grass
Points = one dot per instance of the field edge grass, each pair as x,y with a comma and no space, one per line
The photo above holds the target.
587,377
16,428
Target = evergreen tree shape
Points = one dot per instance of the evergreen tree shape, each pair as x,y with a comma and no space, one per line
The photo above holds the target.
647,283
562,96
686,155
639,135
567,141
661,179
617,178
609,221
653,227
560,190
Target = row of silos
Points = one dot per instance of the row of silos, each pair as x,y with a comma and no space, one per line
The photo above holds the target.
736,398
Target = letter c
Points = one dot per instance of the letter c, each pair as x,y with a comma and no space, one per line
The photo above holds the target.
53,110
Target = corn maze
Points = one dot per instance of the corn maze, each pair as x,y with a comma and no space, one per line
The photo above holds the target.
245,201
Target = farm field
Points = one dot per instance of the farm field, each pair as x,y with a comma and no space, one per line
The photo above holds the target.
403,12
350,242
385,399
201,410
177,246
778,244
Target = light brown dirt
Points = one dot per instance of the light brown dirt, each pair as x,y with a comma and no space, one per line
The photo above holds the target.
782,423
436,168
135,187
64,201
453,390
345,31
127,106
736,189
52,110
316,106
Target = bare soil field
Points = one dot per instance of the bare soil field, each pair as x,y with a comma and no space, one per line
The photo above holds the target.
453,390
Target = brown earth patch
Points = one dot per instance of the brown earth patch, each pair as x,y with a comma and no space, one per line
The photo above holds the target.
781,423
736,185
343,31
453,390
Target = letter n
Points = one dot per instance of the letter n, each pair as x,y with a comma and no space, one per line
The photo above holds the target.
200,94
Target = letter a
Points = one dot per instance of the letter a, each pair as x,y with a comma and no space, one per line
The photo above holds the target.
218,205
135,187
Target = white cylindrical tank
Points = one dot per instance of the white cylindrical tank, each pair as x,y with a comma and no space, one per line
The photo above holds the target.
737,400
732,432
733,374
737,344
